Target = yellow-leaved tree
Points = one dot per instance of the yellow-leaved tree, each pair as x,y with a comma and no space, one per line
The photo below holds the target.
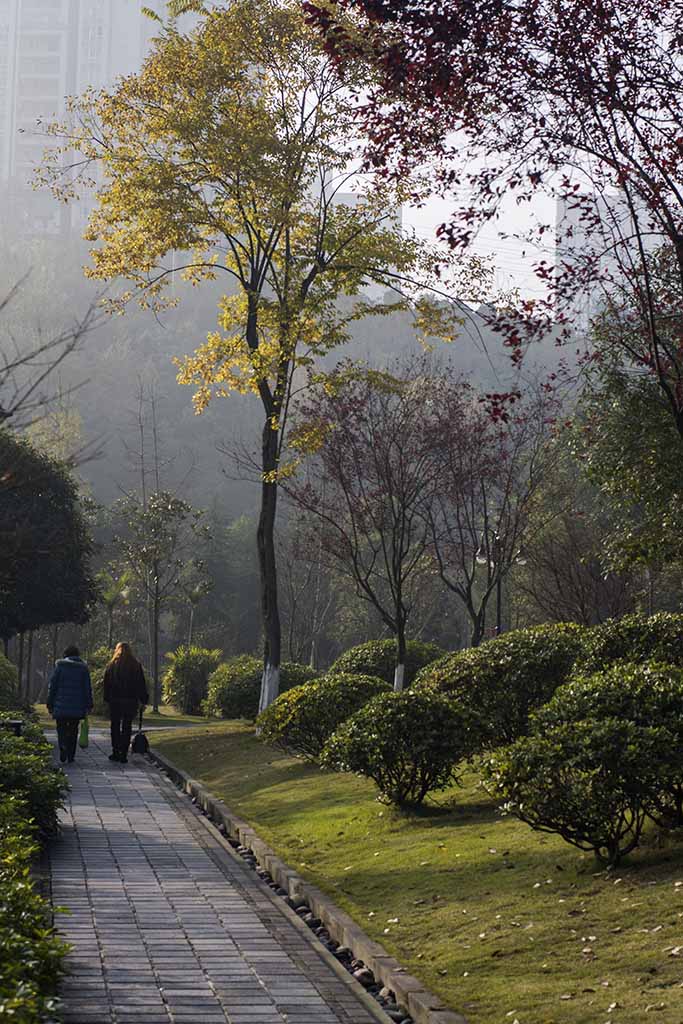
235,146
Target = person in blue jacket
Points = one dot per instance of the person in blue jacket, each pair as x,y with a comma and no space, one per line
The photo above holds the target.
69,698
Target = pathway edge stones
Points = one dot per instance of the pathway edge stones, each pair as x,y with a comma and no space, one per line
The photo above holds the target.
423,1006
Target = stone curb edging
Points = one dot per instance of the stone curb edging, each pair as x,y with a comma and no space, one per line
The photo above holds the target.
423,1006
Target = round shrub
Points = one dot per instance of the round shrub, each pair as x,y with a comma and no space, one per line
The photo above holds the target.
593,783
496,686
634,638
378,658
234,688
186,679
302,720
649,695
408,743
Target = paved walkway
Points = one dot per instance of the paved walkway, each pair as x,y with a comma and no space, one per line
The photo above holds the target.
169,926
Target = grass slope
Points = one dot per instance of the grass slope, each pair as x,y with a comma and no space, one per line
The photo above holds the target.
505,924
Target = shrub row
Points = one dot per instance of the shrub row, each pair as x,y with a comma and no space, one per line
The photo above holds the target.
30,954
31,793
592,757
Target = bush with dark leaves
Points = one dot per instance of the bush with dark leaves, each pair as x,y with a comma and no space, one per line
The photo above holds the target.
234,688
496,686
378,658
594,783
408,743
302,720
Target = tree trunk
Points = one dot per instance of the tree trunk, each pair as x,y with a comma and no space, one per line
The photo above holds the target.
313,660
155,645
265,540
29,664
20,662
110,627
189,632
400,670
478,627
5,645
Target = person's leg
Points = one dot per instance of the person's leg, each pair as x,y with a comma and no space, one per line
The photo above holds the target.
126,730
115,733
71,737
62,739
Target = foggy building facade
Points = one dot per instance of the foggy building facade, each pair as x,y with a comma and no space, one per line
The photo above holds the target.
51,49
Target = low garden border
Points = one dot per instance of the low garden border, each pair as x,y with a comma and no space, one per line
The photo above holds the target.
423,1006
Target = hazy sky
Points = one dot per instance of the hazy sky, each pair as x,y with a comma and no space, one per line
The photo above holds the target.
512,259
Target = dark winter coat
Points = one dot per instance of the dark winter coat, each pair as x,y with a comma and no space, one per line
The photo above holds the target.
125,688
69,693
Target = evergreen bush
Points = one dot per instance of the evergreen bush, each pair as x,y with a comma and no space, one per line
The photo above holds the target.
97,663
633,638
408,743
302,720
592,782
31,955
234,689
378,658
496,686
26,772
186,679
649,695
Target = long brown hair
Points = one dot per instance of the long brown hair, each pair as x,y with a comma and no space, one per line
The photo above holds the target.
123,656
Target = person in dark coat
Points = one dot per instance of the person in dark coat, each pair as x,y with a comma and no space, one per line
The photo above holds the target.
69,698
124,690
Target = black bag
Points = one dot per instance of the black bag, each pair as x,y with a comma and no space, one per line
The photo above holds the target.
140,744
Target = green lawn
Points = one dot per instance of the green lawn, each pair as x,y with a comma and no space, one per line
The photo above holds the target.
504,923
166,716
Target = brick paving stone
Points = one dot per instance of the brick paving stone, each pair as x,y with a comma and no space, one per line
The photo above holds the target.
166,925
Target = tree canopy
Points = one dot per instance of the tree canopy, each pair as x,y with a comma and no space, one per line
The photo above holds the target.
45,543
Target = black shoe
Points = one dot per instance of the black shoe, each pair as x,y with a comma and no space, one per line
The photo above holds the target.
71,760
123,759
62,756
113,757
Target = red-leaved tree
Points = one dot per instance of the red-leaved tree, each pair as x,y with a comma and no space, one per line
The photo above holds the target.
367,488
580,99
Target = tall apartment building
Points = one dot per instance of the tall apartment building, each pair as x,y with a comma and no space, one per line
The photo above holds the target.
50,49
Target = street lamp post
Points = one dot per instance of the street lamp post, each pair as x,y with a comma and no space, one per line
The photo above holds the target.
490,556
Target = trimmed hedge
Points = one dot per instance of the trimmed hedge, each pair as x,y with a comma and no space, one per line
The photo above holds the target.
26,772
592,782
408,743
186,679
496,686
234,688
378,658
302,720
649,695
633,638
31,955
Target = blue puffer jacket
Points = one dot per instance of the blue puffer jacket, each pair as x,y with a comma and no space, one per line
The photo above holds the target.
69,694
